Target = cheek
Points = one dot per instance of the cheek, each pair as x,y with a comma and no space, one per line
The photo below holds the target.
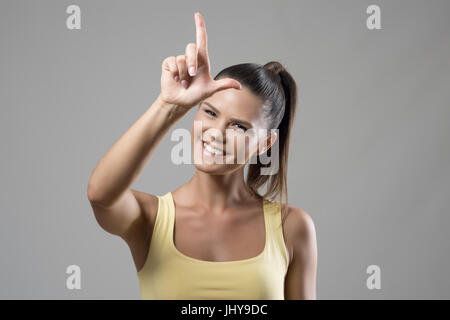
240,143
198,126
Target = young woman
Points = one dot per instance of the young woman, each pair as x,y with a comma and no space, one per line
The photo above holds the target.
214,237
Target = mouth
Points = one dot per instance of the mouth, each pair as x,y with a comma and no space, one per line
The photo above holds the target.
211,151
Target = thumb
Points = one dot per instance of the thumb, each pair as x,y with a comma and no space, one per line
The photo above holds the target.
227,83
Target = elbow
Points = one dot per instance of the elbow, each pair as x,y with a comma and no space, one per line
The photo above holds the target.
93,194
98,197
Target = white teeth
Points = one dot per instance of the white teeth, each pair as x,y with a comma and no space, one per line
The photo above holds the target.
212,150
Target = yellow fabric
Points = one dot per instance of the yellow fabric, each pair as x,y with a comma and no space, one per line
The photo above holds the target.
169,274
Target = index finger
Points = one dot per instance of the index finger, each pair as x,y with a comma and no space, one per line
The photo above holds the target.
202,44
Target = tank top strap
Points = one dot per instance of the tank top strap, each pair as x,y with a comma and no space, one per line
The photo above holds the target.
272,210
163,222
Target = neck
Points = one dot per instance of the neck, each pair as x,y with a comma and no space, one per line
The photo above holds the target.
219,191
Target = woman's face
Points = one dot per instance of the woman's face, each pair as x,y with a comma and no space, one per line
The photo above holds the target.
231,122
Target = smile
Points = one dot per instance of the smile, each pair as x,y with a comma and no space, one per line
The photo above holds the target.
210,150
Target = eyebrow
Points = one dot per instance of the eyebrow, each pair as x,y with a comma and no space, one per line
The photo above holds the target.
233,119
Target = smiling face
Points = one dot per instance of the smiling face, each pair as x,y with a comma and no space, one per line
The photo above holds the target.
229,134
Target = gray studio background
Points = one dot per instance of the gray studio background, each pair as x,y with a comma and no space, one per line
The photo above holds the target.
369,155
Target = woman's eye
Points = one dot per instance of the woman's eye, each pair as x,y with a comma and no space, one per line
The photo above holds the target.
241,127
210,112
213,114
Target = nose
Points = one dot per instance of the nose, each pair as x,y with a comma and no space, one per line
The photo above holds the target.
216,134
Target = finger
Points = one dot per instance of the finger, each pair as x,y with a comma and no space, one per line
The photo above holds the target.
227,83
182,69
191,54
170,64
202,42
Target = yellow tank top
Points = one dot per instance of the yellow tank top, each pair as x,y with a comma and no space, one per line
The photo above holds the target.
170,275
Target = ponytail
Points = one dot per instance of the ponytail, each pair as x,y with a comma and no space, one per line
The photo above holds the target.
279,184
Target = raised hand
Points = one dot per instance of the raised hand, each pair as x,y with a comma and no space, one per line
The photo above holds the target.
179,86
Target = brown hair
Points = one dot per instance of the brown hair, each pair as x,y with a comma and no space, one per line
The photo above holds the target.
278,89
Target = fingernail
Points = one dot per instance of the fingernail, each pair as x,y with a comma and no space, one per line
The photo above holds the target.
192,71
184,83
176,78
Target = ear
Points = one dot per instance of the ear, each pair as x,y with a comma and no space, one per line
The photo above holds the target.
269,141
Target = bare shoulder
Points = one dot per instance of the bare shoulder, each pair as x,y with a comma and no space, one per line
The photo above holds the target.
299,219
149,204
300,280
299,229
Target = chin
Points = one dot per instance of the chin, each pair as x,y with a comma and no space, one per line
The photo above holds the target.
211,169
217,169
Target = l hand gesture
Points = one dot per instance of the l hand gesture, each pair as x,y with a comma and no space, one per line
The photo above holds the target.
181,87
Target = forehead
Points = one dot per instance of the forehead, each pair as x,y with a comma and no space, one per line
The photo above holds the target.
240,104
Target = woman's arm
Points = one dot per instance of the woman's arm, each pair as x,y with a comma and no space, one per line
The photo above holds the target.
124,161
115,205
